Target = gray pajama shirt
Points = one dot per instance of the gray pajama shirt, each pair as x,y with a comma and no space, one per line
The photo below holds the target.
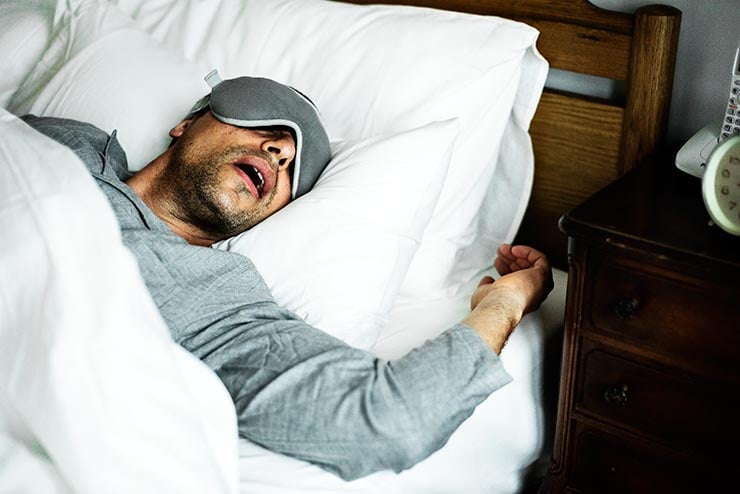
297,390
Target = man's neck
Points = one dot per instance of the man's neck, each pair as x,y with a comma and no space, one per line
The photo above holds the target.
145,184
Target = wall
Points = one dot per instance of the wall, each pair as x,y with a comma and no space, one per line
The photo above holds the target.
710,34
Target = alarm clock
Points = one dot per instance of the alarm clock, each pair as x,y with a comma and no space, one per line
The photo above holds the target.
720,185
713,154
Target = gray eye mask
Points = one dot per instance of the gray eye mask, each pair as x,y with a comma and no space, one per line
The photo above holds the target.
259,102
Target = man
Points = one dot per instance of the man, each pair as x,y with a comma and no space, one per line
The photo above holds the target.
241,154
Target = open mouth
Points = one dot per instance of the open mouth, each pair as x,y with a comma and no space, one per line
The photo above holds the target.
254,175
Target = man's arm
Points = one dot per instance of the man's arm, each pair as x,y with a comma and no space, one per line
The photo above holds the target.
498,306
354,414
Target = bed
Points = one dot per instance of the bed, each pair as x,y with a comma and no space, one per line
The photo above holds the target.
94,395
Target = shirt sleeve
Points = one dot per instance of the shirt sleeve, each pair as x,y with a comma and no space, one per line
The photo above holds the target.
306,394
300,391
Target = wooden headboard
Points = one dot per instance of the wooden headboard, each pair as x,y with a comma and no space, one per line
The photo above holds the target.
583,143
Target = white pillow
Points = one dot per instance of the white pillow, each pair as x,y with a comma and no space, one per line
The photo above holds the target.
382,69
337,255
193,28
495,57
101,69
25,29
117,77
91,373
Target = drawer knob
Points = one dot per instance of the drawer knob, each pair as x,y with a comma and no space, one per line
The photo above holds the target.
617,395
626,308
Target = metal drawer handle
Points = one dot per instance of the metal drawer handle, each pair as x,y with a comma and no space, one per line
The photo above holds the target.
617,395
626,308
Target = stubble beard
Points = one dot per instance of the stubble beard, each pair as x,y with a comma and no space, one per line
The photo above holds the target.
199,198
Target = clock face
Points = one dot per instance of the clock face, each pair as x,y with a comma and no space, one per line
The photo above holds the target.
721,185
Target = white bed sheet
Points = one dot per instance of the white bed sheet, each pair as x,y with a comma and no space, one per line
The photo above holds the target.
501,447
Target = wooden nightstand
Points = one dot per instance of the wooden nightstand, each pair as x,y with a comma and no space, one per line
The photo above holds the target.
650,386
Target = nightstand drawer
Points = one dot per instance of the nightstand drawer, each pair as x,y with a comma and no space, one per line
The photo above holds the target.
682,319
607,464
678,411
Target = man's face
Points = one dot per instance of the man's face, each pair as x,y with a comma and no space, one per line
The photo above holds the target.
226,179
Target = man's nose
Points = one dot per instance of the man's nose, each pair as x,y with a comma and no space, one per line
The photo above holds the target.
283,148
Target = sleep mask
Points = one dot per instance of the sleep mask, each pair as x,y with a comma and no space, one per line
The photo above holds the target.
260,102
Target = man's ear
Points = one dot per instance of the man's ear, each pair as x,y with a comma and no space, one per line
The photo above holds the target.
179,129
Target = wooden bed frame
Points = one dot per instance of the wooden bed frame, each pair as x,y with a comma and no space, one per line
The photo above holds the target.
583,143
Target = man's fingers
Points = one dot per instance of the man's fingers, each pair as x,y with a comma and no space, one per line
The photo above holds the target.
527,254
504,259
501,267
510,259
521,257
486,280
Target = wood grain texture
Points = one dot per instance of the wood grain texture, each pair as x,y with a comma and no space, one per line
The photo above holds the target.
651,342
583,49
564,11
652,65
576,146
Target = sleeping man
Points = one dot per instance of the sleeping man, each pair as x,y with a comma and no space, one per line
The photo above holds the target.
244,152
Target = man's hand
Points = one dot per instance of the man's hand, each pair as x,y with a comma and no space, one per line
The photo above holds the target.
498,306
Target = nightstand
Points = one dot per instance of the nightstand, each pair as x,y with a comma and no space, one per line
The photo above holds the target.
650,385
